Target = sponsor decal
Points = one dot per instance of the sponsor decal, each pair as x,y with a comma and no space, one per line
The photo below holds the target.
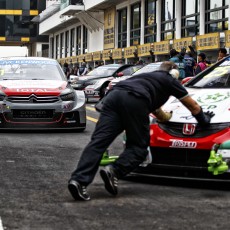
183,144
189,129
33,90
214,98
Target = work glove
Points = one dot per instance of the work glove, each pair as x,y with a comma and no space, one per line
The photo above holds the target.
204,118
162,116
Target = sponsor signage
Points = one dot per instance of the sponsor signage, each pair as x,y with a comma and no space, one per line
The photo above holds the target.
227,38
161,47
179,44
109,28
117,53
106,54
74,59
88,57
208,41
81,58
129,52
143,50
183,144
97,56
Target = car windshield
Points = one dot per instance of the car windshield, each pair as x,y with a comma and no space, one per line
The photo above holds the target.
103,71
219,77
30,69
148,68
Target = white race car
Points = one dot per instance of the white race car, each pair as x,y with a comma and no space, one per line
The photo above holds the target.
35,94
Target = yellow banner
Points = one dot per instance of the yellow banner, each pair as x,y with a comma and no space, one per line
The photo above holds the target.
74,59
161,47
109,28
182,43
117,53
143,50
88,57
227,38
81,58
97,56
208,41
129,52
106,54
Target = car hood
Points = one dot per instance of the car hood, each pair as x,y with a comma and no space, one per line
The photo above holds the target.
86,78
26,87
216,100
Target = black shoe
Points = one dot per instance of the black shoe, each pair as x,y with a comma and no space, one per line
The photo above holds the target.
78,191
110,179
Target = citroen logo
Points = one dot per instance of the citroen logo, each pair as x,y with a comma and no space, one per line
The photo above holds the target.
32,98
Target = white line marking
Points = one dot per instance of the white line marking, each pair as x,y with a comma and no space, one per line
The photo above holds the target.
1,227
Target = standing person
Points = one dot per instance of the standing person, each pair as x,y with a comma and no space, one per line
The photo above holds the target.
190,64
82,70
66,70
222,53
97,64
178,59
127,107
201,63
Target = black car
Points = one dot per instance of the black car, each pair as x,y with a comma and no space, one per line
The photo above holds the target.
106,72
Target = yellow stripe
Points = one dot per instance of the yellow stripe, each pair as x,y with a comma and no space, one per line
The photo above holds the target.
24,39
10,12
2,38
91,119
33,12
90,108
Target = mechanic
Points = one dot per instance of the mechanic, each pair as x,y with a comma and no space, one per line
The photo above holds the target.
127,107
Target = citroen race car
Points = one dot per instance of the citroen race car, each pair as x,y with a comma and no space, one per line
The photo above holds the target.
180,147
35,94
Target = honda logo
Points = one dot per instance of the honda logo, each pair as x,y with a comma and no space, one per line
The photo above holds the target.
189,129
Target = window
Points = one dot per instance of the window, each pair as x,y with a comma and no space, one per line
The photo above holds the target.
168,20
216,16
85,39
72,33
66,43
62,45
135,24
57,47
78,40
190,18
150,21
122,28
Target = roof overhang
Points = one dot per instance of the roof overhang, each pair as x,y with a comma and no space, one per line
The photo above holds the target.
72,9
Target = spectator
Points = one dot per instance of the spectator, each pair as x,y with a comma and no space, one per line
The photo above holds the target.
178,59
97,64
66,69
82,70
222,53
190,64
201,63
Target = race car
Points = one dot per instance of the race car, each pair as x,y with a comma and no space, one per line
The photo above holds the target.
35,94
180,147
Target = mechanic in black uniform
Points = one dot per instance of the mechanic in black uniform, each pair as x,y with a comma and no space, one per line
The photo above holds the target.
127,107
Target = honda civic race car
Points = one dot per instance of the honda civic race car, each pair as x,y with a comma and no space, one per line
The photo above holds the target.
180,147
35,94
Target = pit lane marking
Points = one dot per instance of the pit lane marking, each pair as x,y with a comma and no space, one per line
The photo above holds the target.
1,226
90,108
90,119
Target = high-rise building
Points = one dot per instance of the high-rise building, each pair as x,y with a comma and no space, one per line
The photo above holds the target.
17,27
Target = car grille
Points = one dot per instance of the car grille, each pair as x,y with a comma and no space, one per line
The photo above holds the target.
183,157
176,129
33,99
32,113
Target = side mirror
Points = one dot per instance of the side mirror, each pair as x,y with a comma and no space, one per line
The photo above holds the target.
120,74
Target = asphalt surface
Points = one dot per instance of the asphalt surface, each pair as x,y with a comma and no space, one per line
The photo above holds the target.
35,168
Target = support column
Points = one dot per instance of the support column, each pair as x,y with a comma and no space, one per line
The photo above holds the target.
178,12
202,17
142,39
158,19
